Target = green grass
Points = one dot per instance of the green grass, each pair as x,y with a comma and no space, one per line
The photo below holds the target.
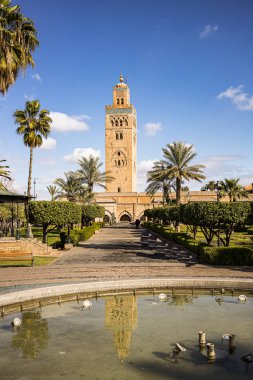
237,238
38,261
52,237
240,251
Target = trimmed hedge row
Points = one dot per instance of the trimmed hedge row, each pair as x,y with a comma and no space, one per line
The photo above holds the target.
177,237
250,230
226,255
206,255
84,234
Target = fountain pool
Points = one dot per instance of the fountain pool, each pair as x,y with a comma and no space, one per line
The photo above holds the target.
129,337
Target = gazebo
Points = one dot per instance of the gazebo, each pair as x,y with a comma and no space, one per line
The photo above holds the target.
9,197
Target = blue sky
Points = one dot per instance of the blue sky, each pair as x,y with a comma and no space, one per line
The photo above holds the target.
189,68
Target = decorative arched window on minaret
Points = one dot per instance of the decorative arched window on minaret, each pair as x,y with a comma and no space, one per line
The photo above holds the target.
122,167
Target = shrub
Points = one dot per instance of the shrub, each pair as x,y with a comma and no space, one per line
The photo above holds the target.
90,212
213,217
226,255
51,214
84,234
168,214
177,237
250,230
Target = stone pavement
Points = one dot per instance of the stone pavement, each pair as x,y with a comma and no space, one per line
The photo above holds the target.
117,252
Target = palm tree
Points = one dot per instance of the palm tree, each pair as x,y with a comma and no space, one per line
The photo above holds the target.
84,195
156,183
69,188
33,125
54,192
18,39
232,188
177,157
90,173
3,172
211,185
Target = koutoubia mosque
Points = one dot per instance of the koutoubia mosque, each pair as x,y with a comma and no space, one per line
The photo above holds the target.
121,200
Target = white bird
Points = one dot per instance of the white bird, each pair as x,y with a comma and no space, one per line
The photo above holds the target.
87,304
16,322
242,298
162,297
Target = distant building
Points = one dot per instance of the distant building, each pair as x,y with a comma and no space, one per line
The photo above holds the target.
249,188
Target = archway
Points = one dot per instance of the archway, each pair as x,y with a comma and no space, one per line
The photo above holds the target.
125,218
106,219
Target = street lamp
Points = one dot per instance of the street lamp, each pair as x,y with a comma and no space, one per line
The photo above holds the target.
34,184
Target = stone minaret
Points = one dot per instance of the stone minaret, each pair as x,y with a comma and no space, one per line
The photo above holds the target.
120,140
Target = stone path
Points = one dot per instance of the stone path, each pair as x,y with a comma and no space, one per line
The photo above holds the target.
117,252
124,244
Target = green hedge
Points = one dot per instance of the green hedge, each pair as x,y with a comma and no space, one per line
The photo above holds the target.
242,255
250,230
226,255
84,234
177,237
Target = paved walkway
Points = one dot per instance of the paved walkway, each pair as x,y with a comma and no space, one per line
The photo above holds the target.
117,252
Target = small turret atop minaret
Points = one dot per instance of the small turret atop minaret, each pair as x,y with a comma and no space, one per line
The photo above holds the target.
120,140
121,93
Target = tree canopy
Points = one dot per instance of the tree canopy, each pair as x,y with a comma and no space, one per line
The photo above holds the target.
34,125
18,40
51,214
176,165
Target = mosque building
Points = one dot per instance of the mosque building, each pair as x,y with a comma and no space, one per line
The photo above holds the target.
121,200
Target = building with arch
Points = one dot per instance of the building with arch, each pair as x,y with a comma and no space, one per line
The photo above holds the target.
121,200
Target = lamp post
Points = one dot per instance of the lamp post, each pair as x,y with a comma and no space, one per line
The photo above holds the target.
34,184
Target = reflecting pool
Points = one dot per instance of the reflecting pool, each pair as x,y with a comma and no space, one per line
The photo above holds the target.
127,337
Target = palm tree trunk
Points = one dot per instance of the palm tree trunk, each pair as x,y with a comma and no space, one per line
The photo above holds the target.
29,233
29,184
178,190
178,199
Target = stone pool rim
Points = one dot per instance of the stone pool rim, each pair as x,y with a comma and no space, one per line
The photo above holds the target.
125,285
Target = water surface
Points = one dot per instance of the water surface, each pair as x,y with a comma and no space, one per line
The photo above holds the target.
127,338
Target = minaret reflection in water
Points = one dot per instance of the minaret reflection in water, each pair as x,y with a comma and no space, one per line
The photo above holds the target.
121,317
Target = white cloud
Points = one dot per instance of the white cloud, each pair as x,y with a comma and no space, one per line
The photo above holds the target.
239,97
142,168
36,77
81,152
65,123
208,30
152,128
48,144
82,117
222,166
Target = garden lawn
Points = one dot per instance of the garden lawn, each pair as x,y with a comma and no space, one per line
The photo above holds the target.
237,238
38,261
52,237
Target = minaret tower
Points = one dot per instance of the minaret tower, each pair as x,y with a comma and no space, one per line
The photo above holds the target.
120,140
